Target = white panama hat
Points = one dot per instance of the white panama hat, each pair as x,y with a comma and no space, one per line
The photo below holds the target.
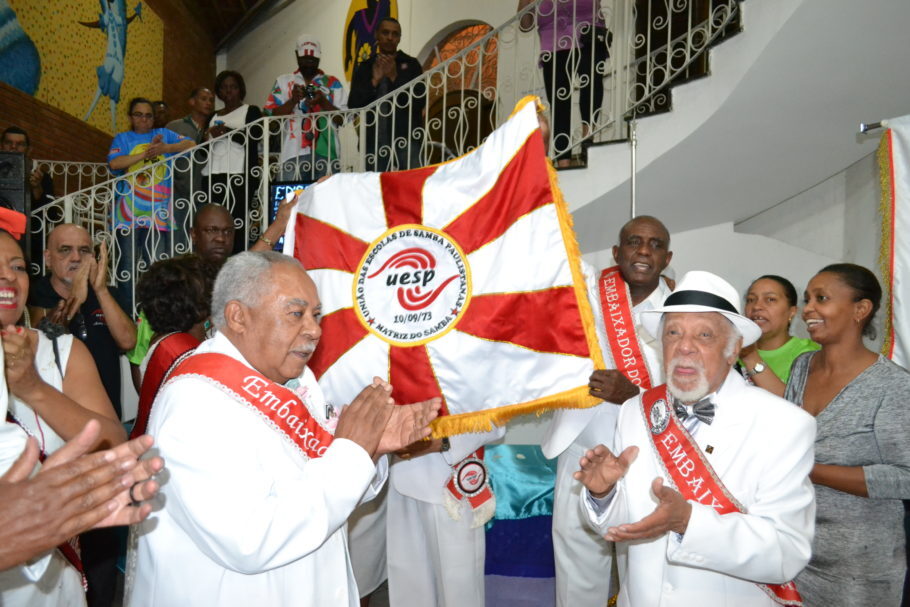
700,291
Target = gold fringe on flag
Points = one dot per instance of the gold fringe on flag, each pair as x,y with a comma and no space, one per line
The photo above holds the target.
886,248
483,421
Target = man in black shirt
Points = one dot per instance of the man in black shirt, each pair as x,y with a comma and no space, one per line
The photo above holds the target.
396,131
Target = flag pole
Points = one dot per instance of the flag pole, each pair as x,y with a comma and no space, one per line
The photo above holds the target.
865,127
633,143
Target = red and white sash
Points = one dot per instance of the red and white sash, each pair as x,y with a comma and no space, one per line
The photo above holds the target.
169,352
693,475
280,407
616,303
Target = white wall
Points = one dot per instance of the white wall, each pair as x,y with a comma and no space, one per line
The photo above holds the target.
838,218
267,51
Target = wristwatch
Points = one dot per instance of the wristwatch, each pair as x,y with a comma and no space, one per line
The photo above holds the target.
758,368
446,445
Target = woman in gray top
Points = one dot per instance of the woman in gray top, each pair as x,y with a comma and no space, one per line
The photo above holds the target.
862,450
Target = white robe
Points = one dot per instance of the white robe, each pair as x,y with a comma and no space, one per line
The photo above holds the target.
762,451
246,519
432,558
48,579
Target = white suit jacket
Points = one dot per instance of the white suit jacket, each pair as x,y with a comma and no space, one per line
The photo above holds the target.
763,451
246,520
595,424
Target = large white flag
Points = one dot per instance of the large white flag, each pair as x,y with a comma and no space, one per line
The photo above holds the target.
459,280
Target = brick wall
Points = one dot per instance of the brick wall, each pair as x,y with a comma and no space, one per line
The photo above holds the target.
189,53
189,61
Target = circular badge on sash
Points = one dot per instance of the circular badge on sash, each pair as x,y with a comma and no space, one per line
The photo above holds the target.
412,285
471,476
659,416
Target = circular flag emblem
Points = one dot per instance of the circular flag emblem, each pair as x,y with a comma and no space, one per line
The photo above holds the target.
412,285
471,477
660,416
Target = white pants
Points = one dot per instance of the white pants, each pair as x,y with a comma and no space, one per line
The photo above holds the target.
584,560
366,543
433,560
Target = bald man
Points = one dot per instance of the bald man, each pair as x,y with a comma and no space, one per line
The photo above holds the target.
75,293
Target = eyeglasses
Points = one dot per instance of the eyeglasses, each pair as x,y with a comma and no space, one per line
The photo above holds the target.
141,115
212,231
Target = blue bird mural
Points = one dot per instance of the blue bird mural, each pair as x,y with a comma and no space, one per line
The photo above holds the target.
113,22
20,65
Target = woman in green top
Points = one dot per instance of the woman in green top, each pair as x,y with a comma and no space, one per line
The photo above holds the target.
771,304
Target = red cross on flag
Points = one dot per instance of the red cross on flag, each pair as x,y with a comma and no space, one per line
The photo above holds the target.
459,280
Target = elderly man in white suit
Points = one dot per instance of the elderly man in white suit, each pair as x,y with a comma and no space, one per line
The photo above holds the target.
263,470
584,560
709,500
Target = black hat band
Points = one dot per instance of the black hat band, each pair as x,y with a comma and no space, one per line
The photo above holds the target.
698,298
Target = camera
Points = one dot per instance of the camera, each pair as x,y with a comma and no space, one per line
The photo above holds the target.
310,91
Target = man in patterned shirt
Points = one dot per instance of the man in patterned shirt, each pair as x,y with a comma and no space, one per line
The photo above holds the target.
310,147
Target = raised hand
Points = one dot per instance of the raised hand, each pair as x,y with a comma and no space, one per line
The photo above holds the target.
72,493
98,270
365,419
600,469
19,362
409,424
672,514
611,385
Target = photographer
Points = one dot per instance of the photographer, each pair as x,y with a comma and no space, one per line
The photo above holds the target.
310,147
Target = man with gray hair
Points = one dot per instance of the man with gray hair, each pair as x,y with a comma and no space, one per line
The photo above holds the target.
263,470
709,499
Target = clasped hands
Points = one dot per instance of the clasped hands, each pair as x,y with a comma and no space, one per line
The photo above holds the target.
384,67
377,424
599,472
92,272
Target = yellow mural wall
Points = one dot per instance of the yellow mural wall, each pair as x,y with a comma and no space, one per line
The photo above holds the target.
71,53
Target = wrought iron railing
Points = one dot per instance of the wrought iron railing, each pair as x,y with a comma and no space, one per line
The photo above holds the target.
596,68
70,176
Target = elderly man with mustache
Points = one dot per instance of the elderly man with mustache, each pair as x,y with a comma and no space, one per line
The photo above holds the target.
708,497
265,470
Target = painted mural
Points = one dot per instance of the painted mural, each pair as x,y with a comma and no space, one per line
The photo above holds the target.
86,57
360,30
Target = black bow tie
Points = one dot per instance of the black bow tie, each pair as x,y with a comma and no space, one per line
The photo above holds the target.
703,410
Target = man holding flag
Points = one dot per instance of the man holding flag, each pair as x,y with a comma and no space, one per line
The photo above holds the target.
621,293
